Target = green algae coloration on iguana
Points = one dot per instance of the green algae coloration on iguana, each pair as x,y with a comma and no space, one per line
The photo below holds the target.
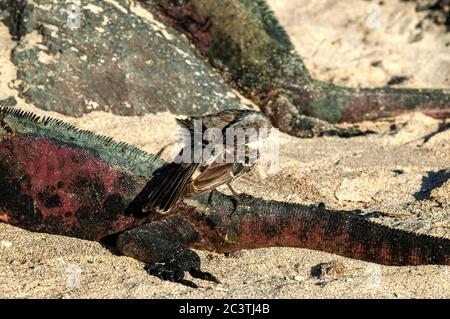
57,179
243,39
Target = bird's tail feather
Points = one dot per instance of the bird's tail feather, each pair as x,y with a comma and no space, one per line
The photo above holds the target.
169,183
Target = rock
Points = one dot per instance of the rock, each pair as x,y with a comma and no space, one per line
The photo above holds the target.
299,278
330,269
5,244
109,59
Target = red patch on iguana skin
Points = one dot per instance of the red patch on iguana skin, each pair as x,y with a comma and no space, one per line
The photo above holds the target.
186,19
48,166
329,231
73,192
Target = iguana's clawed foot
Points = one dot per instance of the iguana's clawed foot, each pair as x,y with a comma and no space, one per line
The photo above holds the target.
174,269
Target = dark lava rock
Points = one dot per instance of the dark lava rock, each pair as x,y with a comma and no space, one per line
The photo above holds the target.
110,59
330,269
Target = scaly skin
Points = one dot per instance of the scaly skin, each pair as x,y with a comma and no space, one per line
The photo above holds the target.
243,40
344,233
57,179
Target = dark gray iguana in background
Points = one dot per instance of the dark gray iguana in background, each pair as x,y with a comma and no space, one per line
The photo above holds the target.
132,63
57,179
243,39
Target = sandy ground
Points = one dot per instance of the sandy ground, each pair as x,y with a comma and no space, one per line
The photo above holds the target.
395,171
362,43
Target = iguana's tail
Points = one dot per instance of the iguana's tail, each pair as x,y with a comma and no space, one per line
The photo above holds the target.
310,110
276,224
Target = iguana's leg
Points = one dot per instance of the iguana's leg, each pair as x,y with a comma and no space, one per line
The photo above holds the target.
306,127
162,245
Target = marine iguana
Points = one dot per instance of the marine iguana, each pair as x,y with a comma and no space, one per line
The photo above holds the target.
245,42
57,179
241,39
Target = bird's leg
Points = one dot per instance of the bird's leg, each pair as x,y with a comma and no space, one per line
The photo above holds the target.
235,194
212,197
237,199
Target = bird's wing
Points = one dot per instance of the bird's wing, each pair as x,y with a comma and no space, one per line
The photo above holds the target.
215,175
186,123
219,120
169,183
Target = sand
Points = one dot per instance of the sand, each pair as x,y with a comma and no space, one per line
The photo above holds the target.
396,172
